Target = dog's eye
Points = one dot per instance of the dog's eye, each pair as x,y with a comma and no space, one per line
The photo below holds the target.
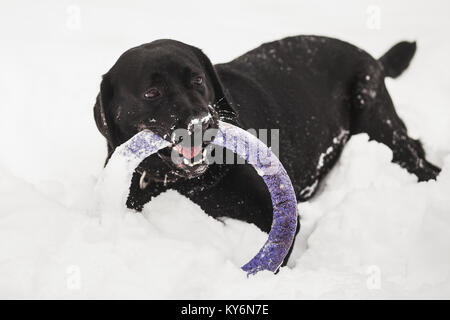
152,93
197,80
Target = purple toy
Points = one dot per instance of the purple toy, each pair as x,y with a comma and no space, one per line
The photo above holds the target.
271,255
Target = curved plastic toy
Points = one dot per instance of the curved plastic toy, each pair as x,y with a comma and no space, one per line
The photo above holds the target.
248,147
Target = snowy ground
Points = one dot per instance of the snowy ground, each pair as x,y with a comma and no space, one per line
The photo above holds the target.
371,232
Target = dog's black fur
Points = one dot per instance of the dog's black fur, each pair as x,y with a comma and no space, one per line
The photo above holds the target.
317,91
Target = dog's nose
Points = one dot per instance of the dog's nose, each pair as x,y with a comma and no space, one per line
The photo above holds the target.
193,126
199,123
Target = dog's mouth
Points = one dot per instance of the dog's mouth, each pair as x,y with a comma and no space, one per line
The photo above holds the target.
188,153
181,162
186,161
187,156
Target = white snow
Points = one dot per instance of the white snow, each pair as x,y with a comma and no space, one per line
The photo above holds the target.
371,231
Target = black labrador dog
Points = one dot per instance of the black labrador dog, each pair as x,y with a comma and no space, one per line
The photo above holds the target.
317,91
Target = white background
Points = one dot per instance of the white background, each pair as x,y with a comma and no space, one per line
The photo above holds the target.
372,231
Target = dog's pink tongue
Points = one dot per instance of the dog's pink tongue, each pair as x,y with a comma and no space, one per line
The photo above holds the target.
188,152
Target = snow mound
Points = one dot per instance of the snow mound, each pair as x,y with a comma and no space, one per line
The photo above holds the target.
372,231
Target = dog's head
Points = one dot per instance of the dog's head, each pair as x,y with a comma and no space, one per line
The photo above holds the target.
164,86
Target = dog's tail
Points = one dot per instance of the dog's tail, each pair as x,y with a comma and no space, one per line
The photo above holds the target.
397,59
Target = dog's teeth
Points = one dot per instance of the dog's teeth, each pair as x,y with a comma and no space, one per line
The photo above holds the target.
186,162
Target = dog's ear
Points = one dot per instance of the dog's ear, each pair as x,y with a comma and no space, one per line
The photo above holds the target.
101,112
222,101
